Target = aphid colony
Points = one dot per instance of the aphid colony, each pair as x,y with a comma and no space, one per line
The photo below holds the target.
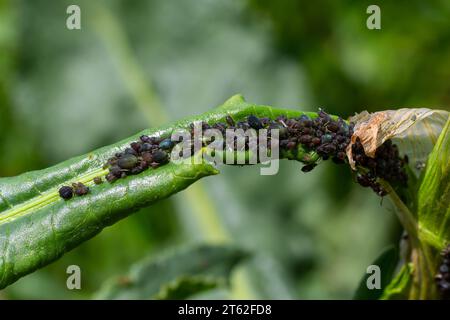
387,165
326,136
443,276
148,152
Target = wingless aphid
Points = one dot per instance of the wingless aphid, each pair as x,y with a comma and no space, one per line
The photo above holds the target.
65,192
80,189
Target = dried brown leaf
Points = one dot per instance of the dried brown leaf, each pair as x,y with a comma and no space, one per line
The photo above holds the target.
415,130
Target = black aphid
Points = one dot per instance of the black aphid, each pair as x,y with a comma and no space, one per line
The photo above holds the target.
127,161
308,167
443,276
305,139
65,192
146,147
115,171
110,177
131,151
166,144
98,180
160,156
147,157
80,189
230,121
136,146
254,122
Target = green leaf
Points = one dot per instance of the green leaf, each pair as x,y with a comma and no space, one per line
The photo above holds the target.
400,285
185,287
32,239
434,194
387,262
176,274
37,226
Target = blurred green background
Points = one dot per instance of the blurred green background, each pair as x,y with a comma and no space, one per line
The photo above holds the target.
138,63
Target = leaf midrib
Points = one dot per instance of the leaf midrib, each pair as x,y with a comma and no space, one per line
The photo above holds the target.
47,197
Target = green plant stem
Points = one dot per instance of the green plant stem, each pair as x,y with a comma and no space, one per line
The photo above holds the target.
405,216
425,265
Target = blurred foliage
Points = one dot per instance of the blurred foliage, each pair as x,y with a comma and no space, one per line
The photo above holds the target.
175,275
64,93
